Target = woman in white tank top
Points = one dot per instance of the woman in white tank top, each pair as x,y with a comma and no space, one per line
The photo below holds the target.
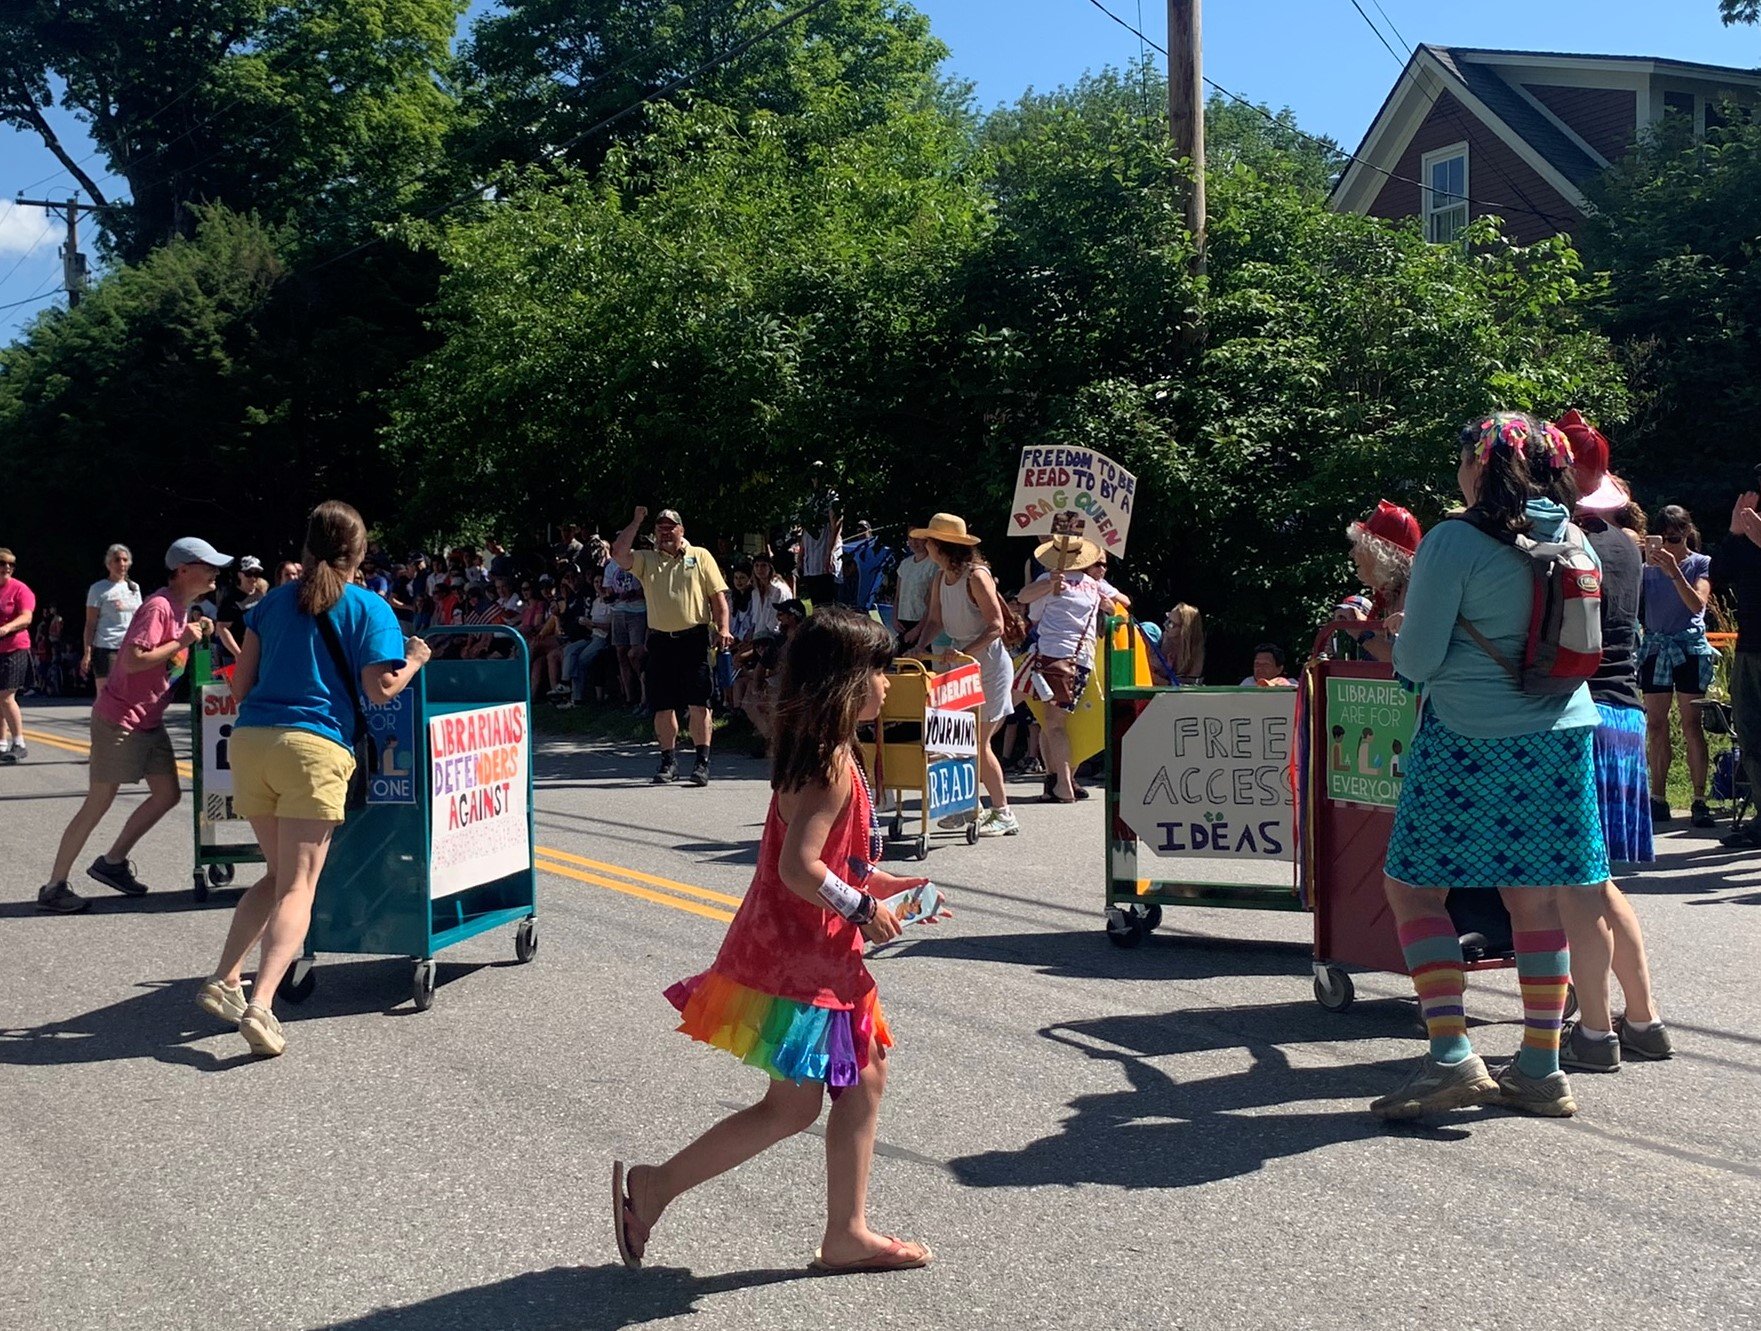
967,607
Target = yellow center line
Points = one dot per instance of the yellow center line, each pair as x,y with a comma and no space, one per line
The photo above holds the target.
637,876
546,861
629,889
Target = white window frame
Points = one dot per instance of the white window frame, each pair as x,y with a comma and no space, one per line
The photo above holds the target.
1460,208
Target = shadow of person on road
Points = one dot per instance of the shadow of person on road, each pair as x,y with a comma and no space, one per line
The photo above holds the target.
1159,1132
162,1021
567,1298
1087,954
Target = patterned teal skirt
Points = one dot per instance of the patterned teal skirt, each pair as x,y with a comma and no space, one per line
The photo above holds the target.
1515,812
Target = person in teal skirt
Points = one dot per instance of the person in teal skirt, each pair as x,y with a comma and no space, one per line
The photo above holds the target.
1500,786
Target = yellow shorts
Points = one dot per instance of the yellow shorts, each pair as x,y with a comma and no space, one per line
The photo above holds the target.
121,757
283,773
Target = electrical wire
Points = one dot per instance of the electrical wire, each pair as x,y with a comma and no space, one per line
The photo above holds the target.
1361,13
47,227
44,294
1391,28
1328,144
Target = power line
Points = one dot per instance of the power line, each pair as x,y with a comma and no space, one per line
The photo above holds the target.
44,294
1398,58
47,228
1327,144
1391,28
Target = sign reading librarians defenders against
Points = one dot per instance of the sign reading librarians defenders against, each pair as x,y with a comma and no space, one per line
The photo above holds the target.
1208,774
478,761
1074,492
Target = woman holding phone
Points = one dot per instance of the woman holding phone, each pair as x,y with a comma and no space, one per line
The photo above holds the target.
1677,660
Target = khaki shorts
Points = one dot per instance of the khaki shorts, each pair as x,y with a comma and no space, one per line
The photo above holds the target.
121,757
284,773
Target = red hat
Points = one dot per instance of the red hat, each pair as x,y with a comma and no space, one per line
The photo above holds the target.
1590,462
1391,524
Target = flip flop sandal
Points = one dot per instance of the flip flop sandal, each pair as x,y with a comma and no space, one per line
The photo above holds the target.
896,1256
632,1234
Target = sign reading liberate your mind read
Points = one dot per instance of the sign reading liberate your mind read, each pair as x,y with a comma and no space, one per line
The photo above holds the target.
478,764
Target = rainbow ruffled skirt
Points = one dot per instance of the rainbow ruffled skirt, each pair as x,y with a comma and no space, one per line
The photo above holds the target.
789,1040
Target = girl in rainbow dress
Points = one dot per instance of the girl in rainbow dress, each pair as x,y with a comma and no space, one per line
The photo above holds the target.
788,992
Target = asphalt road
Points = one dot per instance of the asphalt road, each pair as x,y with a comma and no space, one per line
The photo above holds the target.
1169,1137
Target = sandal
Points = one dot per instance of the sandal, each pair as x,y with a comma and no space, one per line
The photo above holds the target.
896,1256
632,1234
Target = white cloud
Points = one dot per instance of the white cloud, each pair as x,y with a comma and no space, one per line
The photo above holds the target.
22,230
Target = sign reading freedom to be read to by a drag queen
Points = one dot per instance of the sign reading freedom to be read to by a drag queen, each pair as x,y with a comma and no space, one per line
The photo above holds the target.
478,761
1073,492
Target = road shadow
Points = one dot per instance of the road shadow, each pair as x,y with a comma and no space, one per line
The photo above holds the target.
161,1020
106,902
1161,1132
567,1298
1088,955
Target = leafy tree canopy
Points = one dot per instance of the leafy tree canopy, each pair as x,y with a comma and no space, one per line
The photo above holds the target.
1740,11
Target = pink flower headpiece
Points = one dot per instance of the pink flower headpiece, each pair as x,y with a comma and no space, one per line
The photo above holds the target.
1513,430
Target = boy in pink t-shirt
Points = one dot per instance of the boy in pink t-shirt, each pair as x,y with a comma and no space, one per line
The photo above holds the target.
129,742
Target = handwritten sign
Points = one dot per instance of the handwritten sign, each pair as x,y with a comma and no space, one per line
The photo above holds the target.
1074,492
219,715
1208,774
952,785
477,774
1370,725
951,734
957,689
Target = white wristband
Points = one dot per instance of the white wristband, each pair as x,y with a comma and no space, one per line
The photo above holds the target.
840,896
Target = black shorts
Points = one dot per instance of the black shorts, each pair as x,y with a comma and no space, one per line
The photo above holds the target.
821,590
15,670
104,660
1692,676
677,669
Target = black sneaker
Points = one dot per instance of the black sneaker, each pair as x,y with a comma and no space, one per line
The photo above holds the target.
1580,1053
1660,811
1702,816
700,769
60,899
1653,1044
120,876
669,769
20,751
1744,838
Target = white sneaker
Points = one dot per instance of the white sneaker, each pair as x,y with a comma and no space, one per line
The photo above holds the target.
217,999
998,822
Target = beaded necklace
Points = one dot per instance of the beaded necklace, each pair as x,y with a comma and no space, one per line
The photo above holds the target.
876,844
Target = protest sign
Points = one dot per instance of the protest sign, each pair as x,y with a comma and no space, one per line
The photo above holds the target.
219,715
951,734
951,785
1073,492
1208,774
957,689
478,763
392,729
1370,725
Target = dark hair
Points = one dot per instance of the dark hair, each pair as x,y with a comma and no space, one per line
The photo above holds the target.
959,556
824,682
336,542
1272,650
1514,475
1674,515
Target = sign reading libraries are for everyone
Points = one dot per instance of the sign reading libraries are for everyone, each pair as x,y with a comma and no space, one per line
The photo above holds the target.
1370,725
1074,492
478,765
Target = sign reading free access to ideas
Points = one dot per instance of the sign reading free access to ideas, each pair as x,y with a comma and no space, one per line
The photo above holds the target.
479,830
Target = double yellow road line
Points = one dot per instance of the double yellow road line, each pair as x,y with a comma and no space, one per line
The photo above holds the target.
647,887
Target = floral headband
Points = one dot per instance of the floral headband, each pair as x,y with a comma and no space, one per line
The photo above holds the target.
1512,430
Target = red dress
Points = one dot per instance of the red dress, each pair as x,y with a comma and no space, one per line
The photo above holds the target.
789,992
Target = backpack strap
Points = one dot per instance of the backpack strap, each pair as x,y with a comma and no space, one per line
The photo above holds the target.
333,644
1509,539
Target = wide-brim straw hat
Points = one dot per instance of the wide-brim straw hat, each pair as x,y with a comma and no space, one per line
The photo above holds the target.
1066,553
948,528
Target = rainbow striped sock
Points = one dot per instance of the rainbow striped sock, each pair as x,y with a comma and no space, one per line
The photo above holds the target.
1433,959
1543,963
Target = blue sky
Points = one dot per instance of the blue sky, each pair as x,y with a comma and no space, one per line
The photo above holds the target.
1315,56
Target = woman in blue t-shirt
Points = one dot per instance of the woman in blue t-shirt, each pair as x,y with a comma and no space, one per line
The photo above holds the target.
293,750
1677,660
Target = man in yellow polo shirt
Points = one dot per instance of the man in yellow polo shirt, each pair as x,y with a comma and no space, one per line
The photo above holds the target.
687,617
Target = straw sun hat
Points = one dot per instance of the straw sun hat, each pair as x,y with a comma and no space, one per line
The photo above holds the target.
946,528
1068,553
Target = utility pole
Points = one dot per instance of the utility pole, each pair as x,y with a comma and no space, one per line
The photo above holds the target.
73,263
1186,109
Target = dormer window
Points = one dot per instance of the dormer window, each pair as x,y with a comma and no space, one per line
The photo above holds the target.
1446,194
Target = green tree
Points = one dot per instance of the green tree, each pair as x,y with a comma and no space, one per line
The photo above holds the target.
1740,11
328,113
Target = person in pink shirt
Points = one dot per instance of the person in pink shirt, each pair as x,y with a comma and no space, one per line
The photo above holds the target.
18,604
129,742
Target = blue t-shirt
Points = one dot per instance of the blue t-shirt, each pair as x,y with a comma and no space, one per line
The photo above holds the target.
1665,611
297,685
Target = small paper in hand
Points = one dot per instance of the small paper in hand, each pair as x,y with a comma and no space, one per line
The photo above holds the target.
916,904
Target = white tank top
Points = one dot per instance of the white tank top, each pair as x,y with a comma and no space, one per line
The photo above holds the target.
961,619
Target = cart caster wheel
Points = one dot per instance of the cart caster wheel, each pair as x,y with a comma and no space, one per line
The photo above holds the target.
221,875
897,828
526,940
1151,915
422,986
922,848
299,982
972,833
1124,927
1571,1002
1334,989
199,889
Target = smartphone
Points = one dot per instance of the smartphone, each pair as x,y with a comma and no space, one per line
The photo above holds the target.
1653,543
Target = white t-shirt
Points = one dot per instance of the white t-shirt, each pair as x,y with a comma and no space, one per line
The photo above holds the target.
116,603
764,607
1067,618
915,576
822,551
